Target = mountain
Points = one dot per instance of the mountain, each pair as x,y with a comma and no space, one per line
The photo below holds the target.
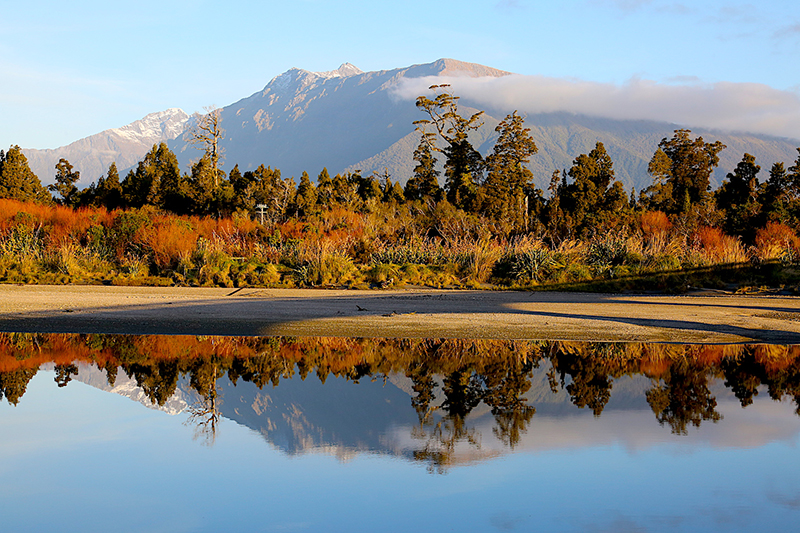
343,120
349,120
125,146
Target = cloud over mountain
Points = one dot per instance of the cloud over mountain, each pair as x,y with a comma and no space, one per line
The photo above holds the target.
725,106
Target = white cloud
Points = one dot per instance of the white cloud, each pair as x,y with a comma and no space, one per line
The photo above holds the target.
748,107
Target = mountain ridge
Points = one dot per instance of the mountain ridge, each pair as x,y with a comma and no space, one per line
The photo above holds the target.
349,120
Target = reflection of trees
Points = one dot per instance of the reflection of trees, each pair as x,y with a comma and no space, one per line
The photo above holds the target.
450,378
743,376
498,384
683,398
158,379
64,374
14,383
588,368
204,415
441,438
505,386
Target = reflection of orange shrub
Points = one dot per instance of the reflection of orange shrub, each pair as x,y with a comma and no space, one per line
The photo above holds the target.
709,355
774,358
774,240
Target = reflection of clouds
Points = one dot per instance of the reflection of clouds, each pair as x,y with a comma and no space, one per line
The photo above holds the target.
617,524
785,500
728,106
506,521
762,423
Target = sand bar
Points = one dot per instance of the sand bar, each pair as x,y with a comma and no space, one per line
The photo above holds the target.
400,313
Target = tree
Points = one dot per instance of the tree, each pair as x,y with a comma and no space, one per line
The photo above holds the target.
392,192
344,190
201,187
207,133
17,181
594,200
64,186
264,186
157,180
463,164
306,197
681,170
780,195
424,185
108,191
324,189
738,197
508,190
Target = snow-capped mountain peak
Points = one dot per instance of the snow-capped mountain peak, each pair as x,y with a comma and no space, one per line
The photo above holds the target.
344,70
155,127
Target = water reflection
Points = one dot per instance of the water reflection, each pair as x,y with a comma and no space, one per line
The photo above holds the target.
435,401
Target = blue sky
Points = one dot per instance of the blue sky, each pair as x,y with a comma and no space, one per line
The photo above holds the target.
72,70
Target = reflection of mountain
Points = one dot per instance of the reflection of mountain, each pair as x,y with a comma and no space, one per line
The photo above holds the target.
301,415
344,418
126,386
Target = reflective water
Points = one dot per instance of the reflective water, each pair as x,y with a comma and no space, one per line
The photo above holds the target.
114,433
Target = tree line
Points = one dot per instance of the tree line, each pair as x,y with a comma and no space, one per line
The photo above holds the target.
582,201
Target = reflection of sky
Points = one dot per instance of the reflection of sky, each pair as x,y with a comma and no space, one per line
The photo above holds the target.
79,459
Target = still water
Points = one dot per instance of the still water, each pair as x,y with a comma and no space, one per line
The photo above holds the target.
123,433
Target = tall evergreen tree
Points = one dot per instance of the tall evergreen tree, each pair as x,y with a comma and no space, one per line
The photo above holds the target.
202,187
424,185
156,177
780,195
108,191
306,197
324,189
17,181
508,190
738,198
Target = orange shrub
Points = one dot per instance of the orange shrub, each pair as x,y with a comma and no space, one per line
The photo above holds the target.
774,240
715,247
170,239
654,222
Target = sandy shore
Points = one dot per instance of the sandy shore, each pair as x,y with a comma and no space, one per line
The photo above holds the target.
406,313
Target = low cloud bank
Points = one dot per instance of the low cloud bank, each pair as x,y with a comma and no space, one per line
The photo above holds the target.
741,107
